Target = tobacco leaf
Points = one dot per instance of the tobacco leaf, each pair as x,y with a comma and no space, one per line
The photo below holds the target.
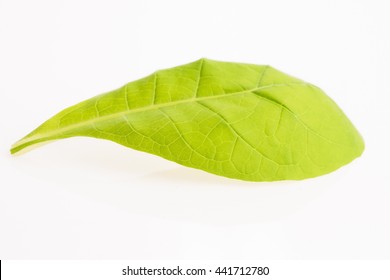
243,121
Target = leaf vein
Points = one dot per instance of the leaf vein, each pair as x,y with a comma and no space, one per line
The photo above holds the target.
101,118
236,132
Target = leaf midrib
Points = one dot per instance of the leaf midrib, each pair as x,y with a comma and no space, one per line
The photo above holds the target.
137,110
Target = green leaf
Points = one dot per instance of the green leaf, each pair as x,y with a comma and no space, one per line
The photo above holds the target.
244,121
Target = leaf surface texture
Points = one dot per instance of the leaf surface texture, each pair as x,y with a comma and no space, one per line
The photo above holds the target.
243,121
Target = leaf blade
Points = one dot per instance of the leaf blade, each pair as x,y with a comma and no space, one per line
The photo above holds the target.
230,119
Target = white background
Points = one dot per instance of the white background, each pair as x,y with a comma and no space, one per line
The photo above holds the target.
92,199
